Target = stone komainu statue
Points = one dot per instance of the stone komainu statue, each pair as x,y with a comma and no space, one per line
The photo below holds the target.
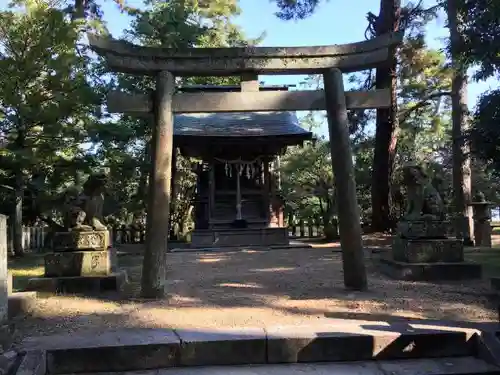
84,210
423,200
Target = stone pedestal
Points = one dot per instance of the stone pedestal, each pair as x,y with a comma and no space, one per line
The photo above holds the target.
415,229
482,224
78,241
422,251
427,250
81,263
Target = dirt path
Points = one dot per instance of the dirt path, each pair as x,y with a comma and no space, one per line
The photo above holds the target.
256,288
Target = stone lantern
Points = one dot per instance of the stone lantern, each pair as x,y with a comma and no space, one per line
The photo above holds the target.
482,220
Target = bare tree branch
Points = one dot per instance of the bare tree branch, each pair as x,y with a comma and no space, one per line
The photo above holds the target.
403,115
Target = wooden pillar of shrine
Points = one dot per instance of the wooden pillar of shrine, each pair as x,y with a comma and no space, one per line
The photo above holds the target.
343,168
239,207
267,190
153,281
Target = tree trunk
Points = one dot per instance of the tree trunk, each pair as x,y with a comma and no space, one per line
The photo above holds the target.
17,223
17,219
387,122
460,157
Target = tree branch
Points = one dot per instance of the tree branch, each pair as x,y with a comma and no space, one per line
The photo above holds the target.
403,115
7,187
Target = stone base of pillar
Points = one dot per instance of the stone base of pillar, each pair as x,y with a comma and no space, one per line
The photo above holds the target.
418,254
80,264
427,250
482,234
87,285
430,271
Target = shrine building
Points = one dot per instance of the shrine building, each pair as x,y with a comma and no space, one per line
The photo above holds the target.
238,199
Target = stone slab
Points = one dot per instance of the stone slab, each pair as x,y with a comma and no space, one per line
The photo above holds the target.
21,303
78,284
424,229
33,362
495,284
488,347
427,250
232,237
74,241
123,350
9,362
430,271
80,263
222,347
353,343
360,368
441,366
143,349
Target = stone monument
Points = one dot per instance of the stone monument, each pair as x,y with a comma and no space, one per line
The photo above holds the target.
81,260
482,220
422,248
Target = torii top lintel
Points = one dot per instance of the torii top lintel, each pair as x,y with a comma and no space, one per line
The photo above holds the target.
126,57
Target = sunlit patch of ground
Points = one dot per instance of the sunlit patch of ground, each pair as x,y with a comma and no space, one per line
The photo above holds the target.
277,287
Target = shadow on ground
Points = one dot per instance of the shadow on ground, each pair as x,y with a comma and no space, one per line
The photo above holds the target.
251,287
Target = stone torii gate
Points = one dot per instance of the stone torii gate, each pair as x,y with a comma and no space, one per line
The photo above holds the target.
247,62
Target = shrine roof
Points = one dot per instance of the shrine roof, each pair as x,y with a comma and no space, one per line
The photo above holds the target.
239,124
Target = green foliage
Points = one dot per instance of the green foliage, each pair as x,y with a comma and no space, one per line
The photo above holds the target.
480,27
183,194
424,134
486,132
424,103
481,47
307,181
124,143
296,9
53,131
46,100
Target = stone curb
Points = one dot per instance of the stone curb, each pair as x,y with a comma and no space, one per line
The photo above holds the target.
489,347
430,271
33,363
144,349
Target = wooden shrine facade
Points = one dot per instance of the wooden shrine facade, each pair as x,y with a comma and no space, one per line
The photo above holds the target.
248,62
238,201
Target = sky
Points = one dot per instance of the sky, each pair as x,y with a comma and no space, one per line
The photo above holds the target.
335,22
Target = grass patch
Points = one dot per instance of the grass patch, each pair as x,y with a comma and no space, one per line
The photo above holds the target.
488,258
22,269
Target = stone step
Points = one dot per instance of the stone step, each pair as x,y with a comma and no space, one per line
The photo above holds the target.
229,249
144,349
495,284
441,366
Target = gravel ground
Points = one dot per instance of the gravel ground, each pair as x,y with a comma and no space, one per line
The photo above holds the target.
256,288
